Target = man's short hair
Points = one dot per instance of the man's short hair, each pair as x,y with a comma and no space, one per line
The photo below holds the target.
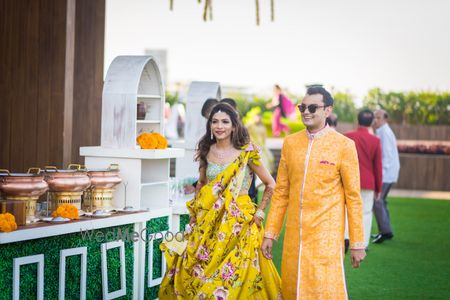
229,101
316,89
207,107
365,117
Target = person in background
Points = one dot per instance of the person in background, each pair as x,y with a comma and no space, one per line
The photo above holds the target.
231,102
207,107
368,147
258,134
318,179
283,107
332,120
391,169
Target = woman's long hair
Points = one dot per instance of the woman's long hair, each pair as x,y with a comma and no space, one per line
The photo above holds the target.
239,136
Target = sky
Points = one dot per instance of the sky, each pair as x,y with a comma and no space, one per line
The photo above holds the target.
351,45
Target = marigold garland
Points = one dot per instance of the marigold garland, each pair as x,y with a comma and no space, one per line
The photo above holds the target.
66,211
7,222
152,140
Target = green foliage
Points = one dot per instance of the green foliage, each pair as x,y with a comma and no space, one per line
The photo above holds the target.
344,107
172,98
294,125
154,226
50,247
184,220
426,108
244,105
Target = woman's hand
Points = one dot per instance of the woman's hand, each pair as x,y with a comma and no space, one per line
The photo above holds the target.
257,220
190,227
266,248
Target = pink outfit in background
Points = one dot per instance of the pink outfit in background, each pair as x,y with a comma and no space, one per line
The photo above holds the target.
285,108
277,126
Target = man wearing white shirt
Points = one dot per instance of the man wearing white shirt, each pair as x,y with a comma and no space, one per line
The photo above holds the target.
391,167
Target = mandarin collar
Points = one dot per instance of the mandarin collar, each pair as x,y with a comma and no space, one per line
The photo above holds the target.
319,133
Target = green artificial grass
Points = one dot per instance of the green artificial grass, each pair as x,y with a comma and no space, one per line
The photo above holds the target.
51,247
415,264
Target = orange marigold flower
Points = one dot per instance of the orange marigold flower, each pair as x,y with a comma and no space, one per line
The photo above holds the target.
147,141
162,142
66,211
152,140
7,222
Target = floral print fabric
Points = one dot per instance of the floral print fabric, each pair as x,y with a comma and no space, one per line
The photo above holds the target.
223,259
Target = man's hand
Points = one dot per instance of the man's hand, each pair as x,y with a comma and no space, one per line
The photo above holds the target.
377,196
266,248
357,256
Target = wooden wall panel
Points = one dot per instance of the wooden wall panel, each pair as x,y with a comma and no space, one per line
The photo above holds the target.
29,63
88,77
47,52
409,132
34,76
57,71
6,26
424,172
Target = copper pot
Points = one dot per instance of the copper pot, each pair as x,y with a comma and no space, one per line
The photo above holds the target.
106,178
25,187
22,185
72,180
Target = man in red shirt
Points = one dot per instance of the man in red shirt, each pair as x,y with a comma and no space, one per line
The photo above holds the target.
368,147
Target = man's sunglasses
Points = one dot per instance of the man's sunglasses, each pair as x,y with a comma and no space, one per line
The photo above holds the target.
311,108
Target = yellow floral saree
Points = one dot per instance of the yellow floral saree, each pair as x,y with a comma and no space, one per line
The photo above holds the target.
223,259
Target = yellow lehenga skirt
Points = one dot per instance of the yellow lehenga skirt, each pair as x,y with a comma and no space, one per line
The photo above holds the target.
222,259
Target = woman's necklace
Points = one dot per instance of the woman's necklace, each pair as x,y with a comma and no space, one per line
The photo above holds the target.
221,154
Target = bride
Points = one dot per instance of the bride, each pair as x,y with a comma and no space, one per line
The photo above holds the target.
223,259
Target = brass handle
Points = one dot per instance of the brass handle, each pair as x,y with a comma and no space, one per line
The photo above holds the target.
34,170
74,167
113,167
5,171
53,168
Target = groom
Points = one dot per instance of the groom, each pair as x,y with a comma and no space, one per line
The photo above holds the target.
318,178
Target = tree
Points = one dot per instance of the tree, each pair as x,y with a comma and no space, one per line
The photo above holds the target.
344,107
428,108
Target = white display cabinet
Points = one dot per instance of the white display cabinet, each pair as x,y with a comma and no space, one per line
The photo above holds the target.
145,173
131,80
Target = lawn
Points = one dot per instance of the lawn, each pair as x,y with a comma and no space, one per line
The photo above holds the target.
414,265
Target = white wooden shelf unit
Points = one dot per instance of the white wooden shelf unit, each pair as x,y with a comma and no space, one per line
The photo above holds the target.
131,80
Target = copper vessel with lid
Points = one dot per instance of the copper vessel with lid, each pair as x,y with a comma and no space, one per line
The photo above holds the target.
26,187
103,183
66,185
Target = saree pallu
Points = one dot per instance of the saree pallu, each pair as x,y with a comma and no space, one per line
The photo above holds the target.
222,259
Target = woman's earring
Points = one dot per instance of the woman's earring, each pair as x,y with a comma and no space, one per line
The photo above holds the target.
212,136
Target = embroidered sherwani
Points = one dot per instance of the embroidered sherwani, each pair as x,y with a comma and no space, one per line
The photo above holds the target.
318,176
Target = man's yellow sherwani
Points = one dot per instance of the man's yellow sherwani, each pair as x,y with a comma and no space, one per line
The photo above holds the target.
318,176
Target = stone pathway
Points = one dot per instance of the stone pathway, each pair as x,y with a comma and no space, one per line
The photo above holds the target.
439,195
